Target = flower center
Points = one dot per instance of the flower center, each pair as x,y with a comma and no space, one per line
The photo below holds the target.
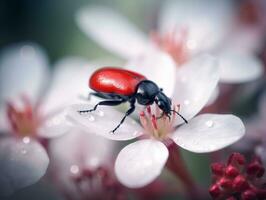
174,43
156,124
23,120
95,183
249,13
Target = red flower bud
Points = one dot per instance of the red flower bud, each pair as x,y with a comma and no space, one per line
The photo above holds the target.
215,191
255,169
231,198
236,158
226,183
217,169
240,183
231,171
248,195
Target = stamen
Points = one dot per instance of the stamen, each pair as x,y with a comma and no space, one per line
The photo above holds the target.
174,43
23,121
149,109
154,122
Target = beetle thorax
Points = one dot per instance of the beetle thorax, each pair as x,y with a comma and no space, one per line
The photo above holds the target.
146,92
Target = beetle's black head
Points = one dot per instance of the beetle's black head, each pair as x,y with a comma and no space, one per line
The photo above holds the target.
148,92
163,102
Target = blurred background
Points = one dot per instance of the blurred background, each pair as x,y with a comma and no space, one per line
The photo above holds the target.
52,25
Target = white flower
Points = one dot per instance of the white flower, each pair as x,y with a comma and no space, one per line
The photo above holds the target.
255,139
26,114
78,155
141,162
186,28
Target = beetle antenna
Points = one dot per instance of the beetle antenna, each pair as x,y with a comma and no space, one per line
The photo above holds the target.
180,116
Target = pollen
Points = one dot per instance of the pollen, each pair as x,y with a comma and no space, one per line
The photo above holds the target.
155,124
23,120
174,43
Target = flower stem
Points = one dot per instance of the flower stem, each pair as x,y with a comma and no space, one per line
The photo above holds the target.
177,166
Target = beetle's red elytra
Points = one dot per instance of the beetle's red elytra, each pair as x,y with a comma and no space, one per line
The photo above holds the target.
115,80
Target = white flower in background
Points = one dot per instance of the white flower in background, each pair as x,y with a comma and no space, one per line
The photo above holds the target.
139,163
255,138
28,112
185,28
77,161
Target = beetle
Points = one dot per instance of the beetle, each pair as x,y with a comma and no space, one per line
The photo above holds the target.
118,86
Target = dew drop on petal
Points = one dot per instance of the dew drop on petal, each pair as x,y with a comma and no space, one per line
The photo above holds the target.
133,122
26,140
24,151
94,162
111,132
91,118
74,169
209,123
186,102
135,133
100,113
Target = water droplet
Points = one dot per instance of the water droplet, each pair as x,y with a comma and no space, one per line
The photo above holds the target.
209,123
133,122
94,162
23,151
100,113
186,102
135,133
26,140
74,169
111,132
91,118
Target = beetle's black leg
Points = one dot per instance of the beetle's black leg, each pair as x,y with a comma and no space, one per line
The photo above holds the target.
104,103
161,115
129,111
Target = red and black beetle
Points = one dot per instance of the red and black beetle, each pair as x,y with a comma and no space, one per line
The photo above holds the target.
119,86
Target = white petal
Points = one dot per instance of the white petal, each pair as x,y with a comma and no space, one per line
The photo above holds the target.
156,66
22,164
54,125
84,150
23,71
140,163
206,21
103,121
195,83
245,39
209,132
112,31
70,84
214,96
236,67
